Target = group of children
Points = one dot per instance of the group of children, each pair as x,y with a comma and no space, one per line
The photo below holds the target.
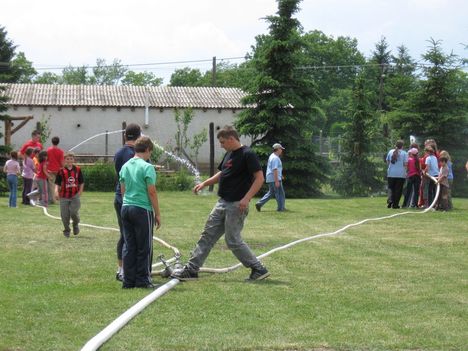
65,182
31,171
416,172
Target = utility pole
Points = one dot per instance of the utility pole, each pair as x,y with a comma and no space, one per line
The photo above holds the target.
213,72
212,152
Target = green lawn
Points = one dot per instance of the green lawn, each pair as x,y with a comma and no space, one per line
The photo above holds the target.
396,284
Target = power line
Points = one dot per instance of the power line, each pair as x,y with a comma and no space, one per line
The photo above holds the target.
145,64
386,65
201,61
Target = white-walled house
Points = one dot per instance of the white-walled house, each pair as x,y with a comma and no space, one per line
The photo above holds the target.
78,112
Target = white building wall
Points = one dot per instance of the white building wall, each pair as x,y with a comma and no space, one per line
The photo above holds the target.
74,126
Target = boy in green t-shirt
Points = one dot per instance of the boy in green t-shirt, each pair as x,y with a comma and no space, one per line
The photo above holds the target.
140,212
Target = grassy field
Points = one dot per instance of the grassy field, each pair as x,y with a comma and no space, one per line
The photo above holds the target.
396,284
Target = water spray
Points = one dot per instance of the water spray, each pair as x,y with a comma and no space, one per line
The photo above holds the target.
181,160
95,136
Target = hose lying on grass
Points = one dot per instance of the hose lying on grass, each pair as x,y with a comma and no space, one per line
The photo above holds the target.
98,340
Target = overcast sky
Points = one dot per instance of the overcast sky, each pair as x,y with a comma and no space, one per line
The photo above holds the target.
56,33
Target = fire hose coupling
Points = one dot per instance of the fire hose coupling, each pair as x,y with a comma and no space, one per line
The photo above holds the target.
169,269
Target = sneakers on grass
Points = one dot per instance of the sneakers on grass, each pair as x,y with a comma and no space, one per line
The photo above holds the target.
119,276
258,274
184,274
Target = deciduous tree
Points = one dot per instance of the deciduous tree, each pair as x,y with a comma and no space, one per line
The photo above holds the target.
141,79
75,75
186,77
24,67
104,74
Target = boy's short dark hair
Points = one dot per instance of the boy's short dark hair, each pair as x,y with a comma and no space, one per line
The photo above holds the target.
143,143
14,155
29,151
228,131
132,132
55,140
35,133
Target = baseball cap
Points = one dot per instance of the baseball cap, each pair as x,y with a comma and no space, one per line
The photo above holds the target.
277,146
133,131
413,151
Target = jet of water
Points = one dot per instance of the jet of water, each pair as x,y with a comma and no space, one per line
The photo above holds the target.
181,160
95,136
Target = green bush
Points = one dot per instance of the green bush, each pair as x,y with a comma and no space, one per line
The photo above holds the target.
178,181
99,177
4,185
5,149
102,177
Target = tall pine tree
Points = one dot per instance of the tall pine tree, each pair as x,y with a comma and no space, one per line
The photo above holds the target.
357,174
439,102
401,86
281,100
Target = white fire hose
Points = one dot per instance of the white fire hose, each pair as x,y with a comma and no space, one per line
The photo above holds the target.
98,340
128,315
236,266
155,238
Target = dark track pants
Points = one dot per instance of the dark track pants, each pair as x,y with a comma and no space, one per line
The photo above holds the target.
118,211
138,249
396,186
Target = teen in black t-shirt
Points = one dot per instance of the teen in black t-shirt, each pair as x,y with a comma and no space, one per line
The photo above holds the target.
237,170
240,177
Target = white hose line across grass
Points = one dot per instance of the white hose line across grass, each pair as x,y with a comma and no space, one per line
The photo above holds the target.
155,238
115,326
337,232
98,340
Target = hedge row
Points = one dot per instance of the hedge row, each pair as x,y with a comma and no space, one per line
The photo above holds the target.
102,177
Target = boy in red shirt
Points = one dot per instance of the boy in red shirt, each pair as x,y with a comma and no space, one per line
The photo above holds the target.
34,142
55,163
69,185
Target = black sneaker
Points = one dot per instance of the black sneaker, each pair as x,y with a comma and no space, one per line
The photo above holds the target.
184,274
258,207
76,229
66,233
258,274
